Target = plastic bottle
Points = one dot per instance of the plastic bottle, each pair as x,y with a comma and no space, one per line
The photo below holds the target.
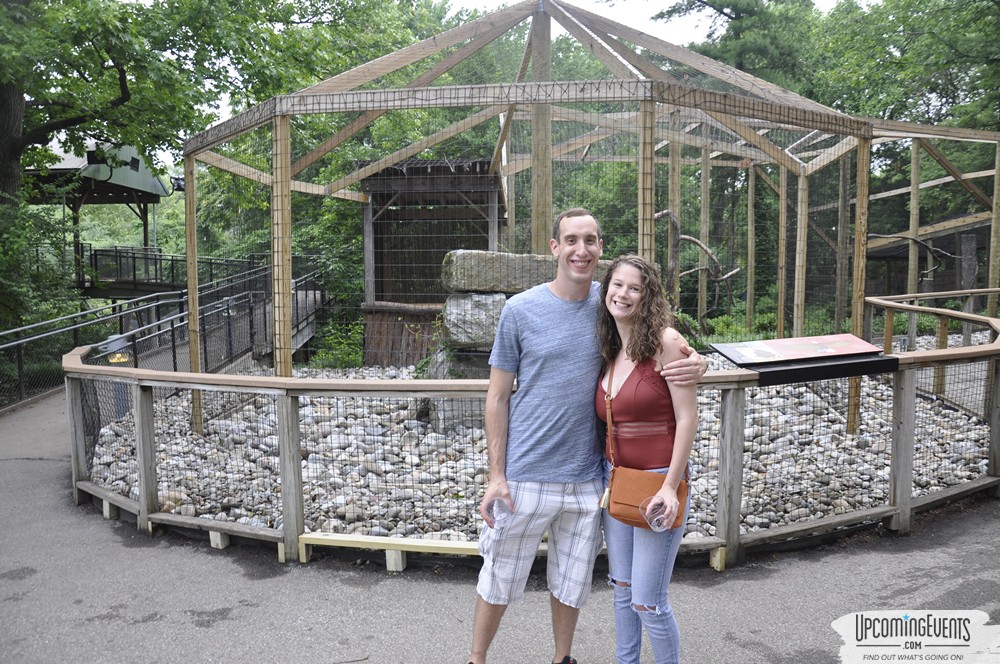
500,512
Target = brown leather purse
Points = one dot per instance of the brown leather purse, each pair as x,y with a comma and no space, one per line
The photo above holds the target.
628,487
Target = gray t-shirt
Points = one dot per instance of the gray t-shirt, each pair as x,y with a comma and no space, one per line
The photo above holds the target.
551,345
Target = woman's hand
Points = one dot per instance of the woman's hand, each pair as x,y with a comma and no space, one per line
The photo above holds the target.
663,505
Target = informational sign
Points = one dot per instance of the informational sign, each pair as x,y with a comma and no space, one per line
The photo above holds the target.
800,359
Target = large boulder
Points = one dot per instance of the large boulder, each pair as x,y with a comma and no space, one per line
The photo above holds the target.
469,271
469,320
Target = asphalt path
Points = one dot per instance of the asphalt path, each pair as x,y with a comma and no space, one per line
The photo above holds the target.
75,587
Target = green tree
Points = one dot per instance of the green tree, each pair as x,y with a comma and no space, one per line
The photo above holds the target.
148,73
766,38
928,61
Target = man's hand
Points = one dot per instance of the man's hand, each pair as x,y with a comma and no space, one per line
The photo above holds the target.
686,371
495,490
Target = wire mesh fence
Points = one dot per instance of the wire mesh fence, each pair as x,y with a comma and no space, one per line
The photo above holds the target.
416,466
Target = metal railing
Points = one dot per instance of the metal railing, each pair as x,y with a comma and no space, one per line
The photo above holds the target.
154,327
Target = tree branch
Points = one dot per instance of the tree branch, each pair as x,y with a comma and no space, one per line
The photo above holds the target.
41,134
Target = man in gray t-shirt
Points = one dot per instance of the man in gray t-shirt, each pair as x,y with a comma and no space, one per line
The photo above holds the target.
544,452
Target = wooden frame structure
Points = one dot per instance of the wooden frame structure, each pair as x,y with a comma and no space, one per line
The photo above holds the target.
724,116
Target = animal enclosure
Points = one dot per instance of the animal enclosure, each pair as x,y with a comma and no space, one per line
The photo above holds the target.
754,201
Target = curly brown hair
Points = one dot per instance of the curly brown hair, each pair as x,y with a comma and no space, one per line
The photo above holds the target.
649,320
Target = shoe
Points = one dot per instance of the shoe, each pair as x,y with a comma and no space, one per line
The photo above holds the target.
565,660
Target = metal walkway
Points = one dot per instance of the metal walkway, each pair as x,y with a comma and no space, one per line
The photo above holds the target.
153,329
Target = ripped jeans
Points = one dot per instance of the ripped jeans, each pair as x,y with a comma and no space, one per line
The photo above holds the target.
640,563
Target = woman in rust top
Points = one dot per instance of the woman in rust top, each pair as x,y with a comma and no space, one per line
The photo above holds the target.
654,427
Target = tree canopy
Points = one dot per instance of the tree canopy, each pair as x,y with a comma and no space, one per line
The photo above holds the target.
150,73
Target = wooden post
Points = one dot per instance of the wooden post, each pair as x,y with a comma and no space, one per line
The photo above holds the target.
77,439
843,234
913,262
541,137
674,195
751,244
782,248
801,250
732,414
969,276
368,247
194,318
290,461
940,372
281,246
993,277
646,168
703,228
493,214
887,333
993,410
904,395
860,264
145,452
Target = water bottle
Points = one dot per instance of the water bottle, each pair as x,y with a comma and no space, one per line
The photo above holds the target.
500,512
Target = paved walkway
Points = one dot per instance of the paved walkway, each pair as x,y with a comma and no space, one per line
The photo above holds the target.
74,587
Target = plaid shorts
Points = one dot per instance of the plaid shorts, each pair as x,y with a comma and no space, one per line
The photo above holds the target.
571,516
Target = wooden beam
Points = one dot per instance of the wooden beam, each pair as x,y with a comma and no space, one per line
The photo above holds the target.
813,226
627,123
479,42
590,42
863,178
830,155
751,246
896,129
409,55
412,149
931,231
952,170
843,235
507,118
913,255
993,273
748,134
801,258
782,248
541,137
677,205
646,175
221,162
281,247
738,79
569,92
191,258
703,229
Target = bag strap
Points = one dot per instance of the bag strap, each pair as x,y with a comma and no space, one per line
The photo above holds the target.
607,407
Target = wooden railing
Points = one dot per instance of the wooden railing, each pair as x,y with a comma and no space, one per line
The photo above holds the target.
737,414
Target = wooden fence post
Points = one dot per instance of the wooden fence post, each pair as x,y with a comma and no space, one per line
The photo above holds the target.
732,414
904,394
77,439
993,383
145,451
290,456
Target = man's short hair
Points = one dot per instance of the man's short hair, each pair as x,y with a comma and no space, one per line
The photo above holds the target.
573,212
